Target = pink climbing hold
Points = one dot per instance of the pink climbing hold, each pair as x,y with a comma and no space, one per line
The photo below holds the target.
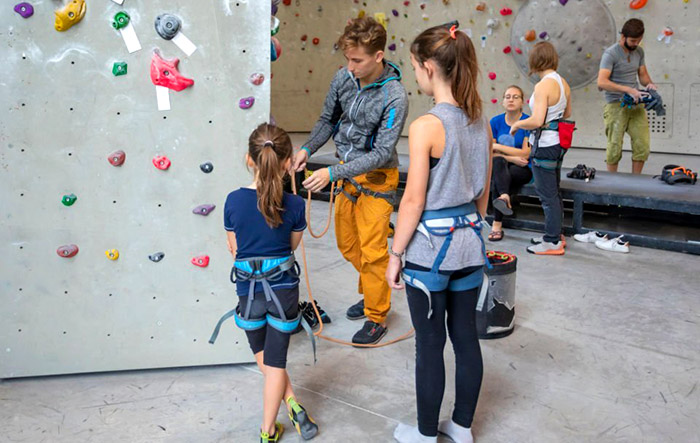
246,102
257,78
67,251
518,50
202,261
492,75
506,11
494,100
161,162
507,50
204,209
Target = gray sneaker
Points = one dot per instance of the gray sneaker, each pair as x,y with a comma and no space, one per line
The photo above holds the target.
356,311
538,240
547,248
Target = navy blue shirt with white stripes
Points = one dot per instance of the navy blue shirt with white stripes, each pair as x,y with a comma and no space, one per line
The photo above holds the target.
255,238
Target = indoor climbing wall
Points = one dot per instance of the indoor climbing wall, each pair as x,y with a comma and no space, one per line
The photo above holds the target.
503,31
116,162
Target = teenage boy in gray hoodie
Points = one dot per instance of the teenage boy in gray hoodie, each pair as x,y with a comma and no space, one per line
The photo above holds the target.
365,111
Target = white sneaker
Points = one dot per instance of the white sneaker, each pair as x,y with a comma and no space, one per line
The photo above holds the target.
590,237
614,245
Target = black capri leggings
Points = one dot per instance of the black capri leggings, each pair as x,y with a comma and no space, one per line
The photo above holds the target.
268,339
507,178
460,310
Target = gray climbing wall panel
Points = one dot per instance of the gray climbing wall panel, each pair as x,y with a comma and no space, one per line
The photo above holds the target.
61,113
304,71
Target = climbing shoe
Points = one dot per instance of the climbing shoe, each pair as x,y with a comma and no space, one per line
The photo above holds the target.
301,420
356,311
267,438
307,311
370,333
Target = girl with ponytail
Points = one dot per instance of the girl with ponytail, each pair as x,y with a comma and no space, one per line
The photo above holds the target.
265,225
438,230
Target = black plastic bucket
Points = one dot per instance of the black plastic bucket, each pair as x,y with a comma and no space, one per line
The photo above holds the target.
495,310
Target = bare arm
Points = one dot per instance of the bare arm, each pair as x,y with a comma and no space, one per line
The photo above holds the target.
606,84
483,201
542,92
645,78
231,242
296,239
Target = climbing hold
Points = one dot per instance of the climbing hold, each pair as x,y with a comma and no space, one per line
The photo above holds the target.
156,257
206,167
202,261
518,50
492,24
530,35
506,11
161,162
422,5
563,2
638,4
589,55
119,68
507,50
492,75
286,2
117,158
395,13
494,100
361,14
167,25
481,6
380,17
121,20
112,254
392,47
67,251
316,41
257,78
204,209
24,9
164,73
246,102
666,35
274,25
71,14
544,35
406,3
275,49
69,199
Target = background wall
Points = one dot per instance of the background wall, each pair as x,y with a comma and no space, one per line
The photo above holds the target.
303,72
61,113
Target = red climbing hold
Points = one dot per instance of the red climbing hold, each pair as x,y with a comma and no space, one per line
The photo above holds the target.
164,73
638,4
202,261
161,162
507,50
518,50
494,100
117,158
304,37
316,41
406,3
506,11
492,75
286,2
67,251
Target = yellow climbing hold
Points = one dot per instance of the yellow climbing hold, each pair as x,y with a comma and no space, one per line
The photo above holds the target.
380,17
666,77
361,13
112,254
71,14
589,55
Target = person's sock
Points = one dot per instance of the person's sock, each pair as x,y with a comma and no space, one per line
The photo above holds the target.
458,434
410,434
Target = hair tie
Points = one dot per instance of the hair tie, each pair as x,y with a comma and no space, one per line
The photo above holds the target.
453,32
268,143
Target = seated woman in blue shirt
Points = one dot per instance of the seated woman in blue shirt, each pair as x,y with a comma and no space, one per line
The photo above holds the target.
510,158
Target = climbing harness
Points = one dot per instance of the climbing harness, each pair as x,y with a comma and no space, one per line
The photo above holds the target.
581,172
390,197
319,332
443,223
651,100
673,174
264,270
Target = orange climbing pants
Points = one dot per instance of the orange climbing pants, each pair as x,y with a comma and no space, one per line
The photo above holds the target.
361,231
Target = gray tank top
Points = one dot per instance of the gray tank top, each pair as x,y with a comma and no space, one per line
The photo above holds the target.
458,178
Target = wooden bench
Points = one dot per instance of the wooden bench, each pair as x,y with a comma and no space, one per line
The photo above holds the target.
642,194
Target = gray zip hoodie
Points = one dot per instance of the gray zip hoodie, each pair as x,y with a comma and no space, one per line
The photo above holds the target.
365,123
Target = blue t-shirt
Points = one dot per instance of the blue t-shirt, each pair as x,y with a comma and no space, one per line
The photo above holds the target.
254,238
500,128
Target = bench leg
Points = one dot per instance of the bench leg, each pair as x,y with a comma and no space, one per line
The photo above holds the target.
577,222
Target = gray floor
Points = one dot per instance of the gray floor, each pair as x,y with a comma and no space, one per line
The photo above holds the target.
606,349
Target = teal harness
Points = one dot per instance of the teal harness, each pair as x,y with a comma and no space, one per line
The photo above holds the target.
264,270
443,223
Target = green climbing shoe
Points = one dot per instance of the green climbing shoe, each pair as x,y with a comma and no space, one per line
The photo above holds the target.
301,420
267,438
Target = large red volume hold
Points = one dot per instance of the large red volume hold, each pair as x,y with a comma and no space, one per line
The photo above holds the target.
164,73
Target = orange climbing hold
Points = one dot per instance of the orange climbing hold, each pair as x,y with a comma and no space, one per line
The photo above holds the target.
530,35
481,6
638,4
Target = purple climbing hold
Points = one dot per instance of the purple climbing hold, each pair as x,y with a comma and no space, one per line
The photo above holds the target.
392,47
203,209
543,35
563,2
24,9
246,103
395,12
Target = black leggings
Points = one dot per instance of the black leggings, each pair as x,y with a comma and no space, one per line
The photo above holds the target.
507,178
269,339
460,310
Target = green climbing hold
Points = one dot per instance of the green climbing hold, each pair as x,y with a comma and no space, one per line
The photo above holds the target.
69,199
121,20
119,68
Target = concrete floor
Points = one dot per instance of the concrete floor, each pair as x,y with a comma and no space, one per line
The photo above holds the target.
606,349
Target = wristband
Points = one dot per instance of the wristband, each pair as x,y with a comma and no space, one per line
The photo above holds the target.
395,254
308,151
330,173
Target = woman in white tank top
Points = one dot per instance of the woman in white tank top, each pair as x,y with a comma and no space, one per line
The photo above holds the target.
550,102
